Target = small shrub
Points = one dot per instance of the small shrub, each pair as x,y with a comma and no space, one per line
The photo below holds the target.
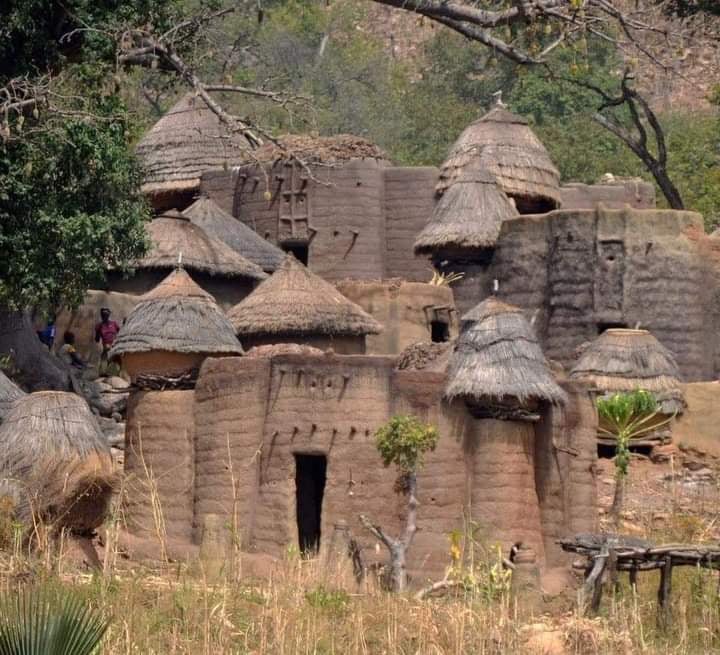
333,601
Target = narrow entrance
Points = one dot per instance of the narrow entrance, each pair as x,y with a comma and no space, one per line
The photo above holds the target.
439,331
299,250
310,476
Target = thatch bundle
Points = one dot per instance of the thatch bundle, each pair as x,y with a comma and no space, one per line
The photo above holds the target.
174,237
187,141
497,359
177,316
9,394
625,360
294,301
468,215
55,463
334,149
278,349
217,223
503,144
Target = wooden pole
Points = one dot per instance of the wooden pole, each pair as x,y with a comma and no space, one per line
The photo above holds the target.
664,591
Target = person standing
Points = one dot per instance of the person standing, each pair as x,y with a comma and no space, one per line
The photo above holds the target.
106,332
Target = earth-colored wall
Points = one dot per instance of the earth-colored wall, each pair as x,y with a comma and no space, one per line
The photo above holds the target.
699,426
404,309
345,345
634,192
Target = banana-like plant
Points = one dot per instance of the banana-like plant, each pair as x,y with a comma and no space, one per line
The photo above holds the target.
48,622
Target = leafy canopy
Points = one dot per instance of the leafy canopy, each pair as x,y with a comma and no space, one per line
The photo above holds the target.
403,441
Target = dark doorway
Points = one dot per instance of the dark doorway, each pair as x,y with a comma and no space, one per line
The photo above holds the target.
299,251
601,327
310,476
439,331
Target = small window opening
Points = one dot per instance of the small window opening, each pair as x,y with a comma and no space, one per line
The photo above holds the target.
299,250
310,478
439,331
601,327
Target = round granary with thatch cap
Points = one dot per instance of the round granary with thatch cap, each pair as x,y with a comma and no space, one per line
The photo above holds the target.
503,144
622,360
55,463
218,224
9,394
498,361
187,141
173,328
469,215
294,303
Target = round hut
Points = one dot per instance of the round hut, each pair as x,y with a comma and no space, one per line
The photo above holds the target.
624,360
55,462
216,267
503,144
10,393
173,329
297,306
462,232
498,367
187,141
217,223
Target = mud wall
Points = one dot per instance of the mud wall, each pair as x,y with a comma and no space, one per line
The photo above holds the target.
578,272
406,311
634,192
350,345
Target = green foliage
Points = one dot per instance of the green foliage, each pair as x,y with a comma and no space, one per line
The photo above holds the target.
45,622
332,601
403,441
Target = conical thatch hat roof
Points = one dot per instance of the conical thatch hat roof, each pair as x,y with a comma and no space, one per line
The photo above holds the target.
497,356
176,316
295,301
468,215
173,234
218,224
625,360
9,393
54,460
187,141
504,144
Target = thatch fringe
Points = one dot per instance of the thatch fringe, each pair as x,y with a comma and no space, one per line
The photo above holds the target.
335,149
497,357
234,233
468,215
503,144
174,237
176,316
55,462
9,394
295,301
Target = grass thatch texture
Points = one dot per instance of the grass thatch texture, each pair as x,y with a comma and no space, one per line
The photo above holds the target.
503,144
177,316
334,149
187,141
497,357
295,301
173,235
55,462
9,393
468,215
234,233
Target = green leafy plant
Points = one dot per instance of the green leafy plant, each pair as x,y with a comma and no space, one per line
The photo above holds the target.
333,601
48,622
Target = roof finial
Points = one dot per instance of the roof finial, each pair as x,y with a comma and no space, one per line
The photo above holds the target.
496,286
179,261
498,100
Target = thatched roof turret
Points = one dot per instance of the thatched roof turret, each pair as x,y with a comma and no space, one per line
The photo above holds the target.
468,215
176,316
217,223
187,141
9,394
173,235
295,301
504,144
55,462
498,359
625,360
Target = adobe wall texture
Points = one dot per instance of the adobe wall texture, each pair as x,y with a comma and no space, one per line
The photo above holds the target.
344,345
578,271
404,309
634,192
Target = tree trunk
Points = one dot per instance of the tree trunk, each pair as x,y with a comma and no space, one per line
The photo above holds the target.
618,499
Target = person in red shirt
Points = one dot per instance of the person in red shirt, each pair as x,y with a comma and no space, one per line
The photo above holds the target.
105,332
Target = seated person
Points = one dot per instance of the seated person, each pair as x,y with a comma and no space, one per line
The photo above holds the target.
68,353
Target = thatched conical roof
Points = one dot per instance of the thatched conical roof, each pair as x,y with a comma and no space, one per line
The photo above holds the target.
504,144
173,234
176,316
9,393
295,301
497,357
187,141
218,224
55,461
468,215
625,360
